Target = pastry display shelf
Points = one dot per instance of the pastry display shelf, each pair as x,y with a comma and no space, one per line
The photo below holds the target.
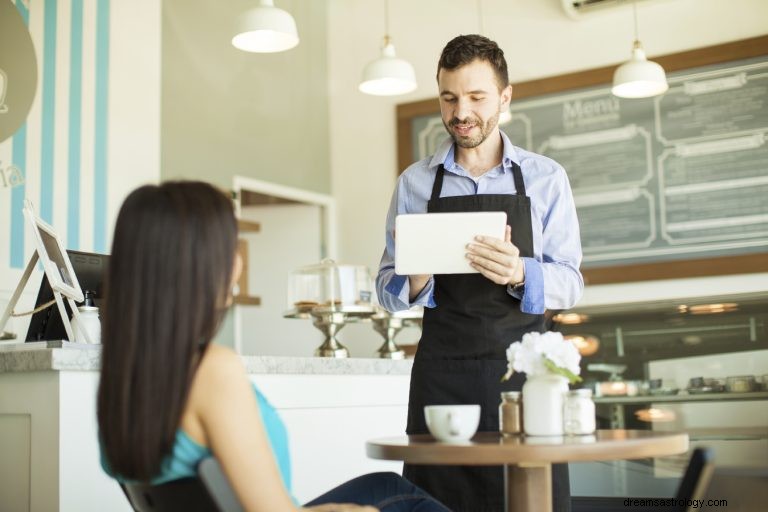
681,397
617,403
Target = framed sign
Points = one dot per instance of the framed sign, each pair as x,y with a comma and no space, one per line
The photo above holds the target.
666,187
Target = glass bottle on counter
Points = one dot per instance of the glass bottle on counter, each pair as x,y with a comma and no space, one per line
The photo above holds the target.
510,413
579,412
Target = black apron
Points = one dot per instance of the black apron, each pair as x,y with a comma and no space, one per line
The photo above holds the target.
461,356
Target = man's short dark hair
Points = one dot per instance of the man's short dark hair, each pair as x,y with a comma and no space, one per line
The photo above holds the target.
462,50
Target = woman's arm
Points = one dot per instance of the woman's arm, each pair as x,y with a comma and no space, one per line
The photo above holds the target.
228,411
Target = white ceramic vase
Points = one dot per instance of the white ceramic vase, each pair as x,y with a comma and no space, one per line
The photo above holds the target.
543,397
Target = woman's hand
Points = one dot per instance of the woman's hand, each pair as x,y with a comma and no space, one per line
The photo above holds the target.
342,507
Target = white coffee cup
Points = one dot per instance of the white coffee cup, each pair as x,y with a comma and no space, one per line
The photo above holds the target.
452,422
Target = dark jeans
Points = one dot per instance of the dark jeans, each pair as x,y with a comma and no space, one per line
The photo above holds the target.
389,492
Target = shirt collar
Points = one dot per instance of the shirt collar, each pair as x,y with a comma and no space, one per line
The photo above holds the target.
447,149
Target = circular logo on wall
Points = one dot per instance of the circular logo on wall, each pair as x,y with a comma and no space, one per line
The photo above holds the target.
18,70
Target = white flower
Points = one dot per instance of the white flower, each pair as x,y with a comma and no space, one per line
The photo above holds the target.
539,354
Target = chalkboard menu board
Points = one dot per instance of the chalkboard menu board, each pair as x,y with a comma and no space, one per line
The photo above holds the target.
663,180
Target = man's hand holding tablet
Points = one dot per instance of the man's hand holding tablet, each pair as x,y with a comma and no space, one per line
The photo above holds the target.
498,260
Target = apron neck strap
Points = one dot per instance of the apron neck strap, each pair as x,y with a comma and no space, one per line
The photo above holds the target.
517,174
437,186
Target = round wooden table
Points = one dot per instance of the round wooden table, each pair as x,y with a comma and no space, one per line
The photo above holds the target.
528,460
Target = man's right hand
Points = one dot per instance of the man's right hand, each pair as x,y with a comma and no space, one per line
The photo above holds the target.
417,283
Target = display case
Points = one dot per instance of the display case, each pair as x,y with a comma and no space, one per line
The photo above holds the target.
332,295
329,285
694,365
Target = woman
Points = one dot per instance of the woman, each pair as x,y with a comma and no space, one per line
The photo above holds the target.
168,397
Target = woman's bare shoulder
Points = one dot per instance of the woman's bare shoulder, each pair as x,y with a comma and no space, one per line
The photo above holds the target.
220,371
220,362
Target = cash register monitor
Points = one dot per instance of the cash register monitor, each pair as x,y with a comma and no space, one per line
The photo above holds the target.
90,270
50,250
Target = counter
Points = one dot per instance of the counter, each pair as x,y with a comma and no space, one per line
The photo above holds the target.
17,358
48,426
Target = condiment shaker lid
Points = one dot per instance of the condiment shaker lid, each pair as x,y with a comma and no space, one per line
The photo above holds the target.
88,303
512,396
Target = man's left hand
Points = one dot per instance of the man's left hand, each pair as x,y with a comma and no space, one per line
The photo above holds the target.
498,260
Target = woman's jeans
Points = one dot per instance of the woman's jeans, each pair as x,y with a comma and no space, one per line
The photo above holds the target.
389,492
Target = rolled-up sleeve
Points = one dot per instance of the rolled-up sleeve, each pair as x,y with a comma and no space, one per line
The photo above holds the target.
553,279
393,289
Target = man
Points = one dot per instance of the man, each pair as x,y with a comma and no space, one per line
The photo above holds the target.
470,319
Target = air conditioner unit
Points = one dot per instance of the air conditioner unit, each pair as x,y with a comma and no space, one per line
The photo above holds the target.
577,8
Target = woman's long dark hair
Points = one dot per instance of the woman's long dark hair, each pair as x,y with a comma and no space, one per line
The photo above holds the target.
167,286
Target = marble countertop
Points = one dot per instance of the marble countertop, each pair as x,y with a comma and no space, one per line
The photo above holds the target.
19,358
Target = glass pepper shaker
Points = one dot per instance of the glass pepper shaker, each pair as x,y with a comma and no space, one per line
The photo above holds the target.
510,413
579,412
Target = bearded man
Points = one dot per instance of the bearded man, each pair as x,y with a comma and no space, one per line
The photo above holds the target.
470,319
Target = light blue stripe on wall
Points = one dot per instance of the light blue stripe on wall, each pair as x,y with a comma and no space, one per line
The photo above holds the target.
100,128
74,133
49,110
17,199
17,193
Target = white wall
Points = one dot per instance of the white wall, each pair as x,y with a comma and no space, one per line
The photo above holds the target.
539,40
228,112
289,238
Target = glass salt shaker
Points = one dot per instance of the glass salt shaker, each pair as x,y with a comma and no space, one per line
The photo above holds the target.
579,412
510,413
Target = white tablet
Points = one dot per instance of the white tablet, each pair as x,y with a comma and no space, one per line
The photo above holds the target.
435,243
53,256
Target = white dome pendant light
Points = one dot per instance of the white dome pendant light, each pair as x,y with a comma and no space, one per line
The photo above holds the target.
639,77
265,29
388,75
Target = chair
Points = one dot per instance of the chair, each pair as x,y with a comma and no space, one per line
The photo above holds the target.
208,492
692,486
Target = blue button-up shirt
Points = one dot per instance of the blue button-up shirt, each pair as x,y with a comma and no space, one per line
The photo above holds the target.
552,277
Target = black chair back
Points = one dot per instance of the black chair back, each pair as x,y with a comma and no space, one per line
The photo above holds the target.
208,492
697,476
187,494
692,486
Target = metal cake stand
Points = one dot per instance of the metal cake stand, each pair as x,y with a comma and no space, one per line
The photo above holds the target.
330,319
389,324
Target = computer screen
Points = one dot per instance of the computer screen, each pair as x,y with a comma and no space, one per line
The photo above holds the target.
52,248
90,269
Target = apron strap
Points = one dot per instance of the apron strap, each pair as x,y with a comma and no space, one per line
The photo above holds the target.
437,186
517,173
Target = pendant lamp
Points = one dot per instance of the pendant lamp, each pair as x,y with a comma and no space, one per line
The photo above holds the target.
639,77
388,75
265,29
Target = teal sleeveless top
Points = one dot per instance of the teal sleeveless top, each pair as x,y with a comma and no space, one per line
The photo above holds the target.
187,454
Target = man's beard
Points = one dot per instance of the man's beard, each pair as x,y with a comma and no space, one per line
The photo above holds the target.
472,141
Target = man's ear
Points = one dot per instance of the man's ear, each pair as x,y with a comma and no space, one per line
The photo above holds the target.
506,96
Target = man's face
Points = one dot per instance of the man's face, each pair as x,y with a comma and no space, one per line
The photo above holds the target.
470,102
